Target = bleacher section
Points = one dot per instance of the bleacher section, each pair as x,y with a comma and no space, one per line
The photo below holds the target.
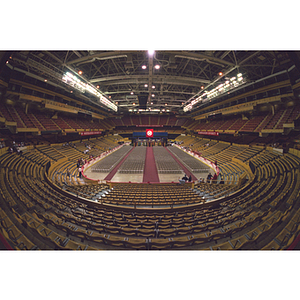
46,122
253,124
261,213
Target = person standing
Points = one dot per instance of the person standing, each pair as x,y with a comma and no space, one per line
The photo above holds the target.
214,179
209,177
185,178
80,172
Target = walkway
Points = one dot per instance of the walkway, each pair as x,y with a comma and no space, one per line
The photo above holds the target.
150,170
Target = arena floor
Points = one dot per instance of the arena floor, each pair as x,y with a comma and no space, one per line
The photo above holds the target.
119,177
139,177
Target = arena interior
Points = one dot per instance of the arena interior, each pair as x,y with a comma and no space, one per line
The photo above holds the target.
95,146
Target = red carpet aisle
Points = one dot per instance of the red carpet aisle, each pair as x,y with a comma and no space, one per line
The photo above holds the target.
115,169
150,170
185,170
4,245
295,245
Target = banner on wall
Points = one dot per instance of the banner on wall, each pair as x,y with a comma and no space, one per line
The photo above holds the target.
149,132
150,125
208,132
90,132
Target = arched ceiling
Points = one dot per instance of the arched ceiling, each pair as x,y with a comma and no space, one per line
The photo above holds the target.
181,76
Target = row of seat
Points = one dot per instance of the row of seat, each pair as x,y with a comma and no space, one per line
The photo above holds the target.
135,161
165,163
106,165
249,218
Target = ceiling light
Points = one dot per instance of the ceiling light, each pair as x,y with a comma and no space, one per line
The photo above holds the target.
71,91
151,52
151,103
166,104
202,87
133,103
45,80
153,86
131,93
157,67
97,86
144,67
220,73
219,90
146,85
75,82
80,72
153,95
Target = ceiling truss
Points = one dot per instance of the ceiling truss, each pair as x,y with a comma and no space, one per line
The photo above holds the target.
182,76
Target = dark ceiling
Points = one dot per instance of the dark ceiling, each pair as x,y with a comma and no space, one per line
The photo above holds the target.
120,76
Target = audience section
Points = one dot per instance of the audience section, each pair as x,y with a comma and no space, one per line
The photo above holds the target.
41,209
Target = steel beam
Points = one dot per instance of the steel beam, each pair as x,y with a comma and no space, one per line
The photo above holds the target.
203,57
99,56
144,78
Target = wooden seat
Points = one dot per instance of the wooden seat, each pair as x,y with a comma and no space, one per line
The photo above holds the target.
166,232
273,245
6,223
25,244
160,243
223,246
238,242
136,243
72,245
